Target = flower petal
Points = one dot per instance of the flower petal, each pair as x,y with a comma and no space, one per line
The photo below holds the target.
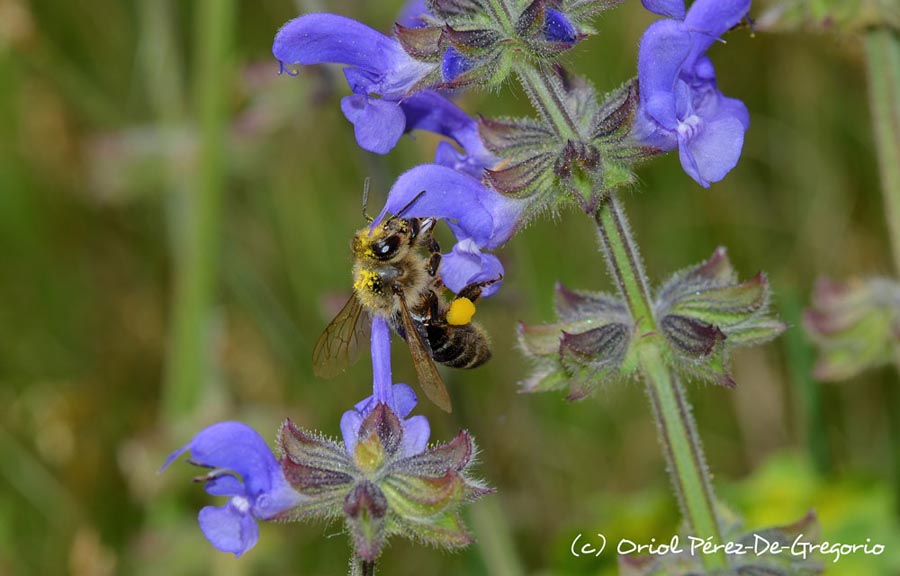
709,19
350,423
671,8
558,28
383,390
466,264
378,124
664,47
736,109
330,38
713,151
280,498
225,485
416,432
412,13
472,210
430,111
453,63
405,400
236,447
229,529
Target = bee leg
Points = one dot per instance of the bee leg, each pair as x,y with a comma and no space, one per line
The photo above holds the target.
434,263
473,290
434,306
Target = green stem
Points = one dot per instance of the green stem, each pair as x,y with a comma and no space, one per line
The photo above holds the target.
548,98
883,63
677,430
360,567
197,239
883,67
503,13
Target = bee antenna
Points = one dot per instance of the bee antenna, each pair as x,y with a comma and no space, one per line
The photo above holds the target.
365,203
409,205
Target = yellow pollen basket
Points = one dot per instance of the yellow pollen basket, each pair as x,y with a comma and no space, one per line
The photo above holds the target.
364,280
460,312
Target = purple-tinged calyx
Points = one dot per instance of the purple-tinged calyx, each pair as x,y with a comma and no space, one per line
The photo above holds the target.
590,345
704,313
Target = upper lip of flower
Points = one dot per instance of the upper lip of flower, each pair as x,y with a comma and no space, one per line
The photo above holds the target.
379,62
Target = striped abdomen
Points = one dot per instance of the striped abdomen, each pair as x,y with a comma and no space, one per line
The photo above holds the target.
465,346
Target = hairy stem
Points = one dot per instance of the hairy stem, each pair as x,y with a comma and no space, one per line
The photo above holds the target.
197,236
677,430
547,97
503,12
678,434
360,567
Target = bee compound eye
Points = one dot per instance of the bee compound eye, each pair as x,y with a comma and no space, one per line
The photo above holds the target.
387,247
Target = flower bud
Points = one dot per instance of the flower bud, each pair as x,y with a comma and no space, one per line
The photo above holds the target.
590,345
855,324
704,312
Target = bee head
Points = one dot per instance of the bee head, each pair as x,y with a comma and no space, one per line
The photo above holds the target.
388,242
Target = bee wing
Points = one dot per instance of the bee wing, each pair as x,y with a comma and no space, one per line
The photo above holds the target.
429,378
341,342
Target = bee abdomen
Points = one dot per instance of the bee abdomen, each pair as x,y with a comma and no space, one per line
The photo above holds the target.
464,346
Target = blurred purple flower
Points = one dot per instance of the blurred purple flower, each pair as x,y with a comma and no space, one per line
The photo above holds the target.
475,213
380,73
247,472
400,398
681,106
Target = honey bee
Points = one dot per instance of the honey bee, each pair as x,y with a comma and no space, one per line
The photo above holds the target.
393,278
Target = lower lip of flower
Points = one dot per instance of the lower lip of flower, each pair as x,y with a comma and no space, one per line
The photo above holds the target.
690,126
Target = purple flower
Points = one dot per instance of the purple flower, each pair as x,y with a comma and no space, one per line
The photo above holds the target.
557,28
466,264
247,472
681,106
474,212
380,73
412,13
400,398
453,64
427,110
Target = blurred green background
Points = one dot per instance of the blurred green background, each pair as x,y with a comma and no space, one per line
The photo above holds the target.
109,239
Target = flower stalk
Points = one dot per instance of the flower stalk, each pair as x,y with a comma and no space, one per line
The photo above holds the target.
502,12
547,98
678,433
197,262
883,63
883,70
